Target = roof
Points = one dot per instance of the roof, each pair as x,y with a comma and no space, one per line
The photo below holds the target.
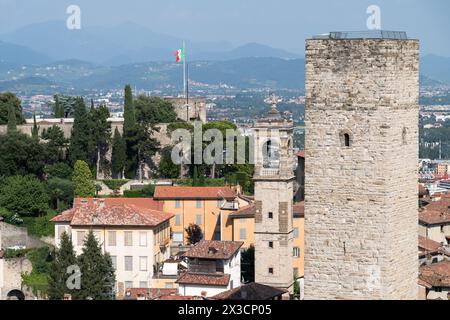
301,154
250,291
208,279
432,214
368,34
101,214
179,192
423,191
249,211
436,275
148,203
150,294
427,245
213,249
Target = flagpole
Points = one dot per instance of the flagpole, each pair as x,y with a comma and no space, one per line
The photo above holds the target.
184,69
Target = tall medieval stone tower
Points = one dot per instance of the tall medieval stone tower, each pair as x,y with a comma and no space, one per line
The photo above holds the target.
273,199
362,93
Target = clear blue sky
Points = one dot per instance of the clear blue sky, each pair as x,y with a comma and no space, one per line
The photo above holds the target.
279,23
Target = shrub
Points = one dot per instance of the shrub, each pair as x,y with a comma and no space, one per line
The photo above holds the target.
115,184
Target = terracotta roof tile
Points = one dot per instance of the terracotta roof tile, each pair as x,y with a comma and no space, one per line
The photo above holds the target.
209,279
165,192
433,214
102,214
301,154
437,274
249,211
149,294
207,249
148,203
250,291
428,245
299,209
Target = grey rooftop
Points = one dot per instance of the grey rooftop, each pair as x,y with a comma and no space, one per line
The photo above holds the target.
369,34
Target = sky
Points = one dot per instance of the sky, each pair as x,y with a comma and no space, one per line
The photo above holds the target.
283,24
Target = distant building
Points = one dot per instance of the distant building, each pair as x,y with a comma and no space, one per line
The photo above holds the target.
434,221
251,291
133,231
434,281
213,267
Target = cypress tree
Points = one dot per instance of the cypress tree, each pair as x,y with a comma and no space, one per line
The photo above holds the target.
130,134
195,181
35,129
98,278
12,125
64,257
118,155
58,108
79,141
84,186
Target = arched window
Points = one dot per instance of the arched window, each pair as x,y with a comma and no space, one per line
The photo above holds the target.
270,153
346,138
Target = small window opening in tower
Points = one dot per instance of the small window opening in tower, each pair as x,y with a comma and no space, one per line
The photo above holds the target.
346,140
404,136
270,215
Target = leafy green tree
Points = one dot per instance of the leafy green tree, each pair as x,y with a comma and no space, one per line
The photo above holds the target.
167,169
84,186
9,100
118,157
60,192
64,257
154,110
35,129
24,195
98,278
79,141
65,106
194,233
21,155
58,170
248,264
56,144
99,137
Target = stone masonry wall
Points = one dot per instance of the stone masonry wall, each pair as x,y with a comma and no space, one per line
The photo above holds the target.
361,201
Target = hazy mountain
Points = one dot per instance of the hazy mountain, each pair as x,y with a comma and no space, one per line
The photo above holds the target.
16,54
125,43
436,68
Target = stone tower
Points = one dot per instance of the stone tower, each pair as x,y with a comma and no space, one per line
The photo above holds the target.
362,92
273,199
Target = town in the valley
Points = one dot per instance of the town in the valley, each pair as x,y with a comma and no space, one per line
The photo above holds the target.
338,190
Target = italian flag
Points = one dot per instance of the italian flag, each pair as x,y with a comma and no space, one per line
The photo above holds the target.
179,55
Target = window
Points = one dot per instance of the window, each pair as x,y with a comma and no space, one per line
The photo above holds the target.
242,234
270,215
143,284
128,284
114,262
143,239
177,204
177,220
217,236
143,263
442,228
112,240
198,219
405,136
270,270
219,203
80,237
296,272
270,244
128,238
296,233
178,236
168,285
231,284
346,139
198,204
128,263
296,252
241,220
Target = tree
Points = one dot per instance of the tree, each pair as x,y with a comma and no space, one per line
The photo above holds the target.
98,278
99,137
194,233
130,134
24,195
64,257
60,192
21,155
9,101
167,169
58,108
35,129
119,155
56,144
248,264
59,170
154,110
79,141
12,126
84,186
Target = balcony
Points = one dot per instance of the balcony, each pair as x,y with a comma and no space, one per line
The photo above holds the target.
265,172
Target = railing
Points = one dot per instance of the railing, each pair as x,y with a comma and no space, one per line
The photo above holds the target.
269,172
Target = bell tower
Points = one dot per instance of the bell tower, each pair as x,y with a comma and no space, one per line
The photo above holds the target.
273,199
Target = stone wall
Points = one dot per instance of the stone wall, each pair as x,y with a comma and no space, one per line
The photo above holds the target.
361,201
